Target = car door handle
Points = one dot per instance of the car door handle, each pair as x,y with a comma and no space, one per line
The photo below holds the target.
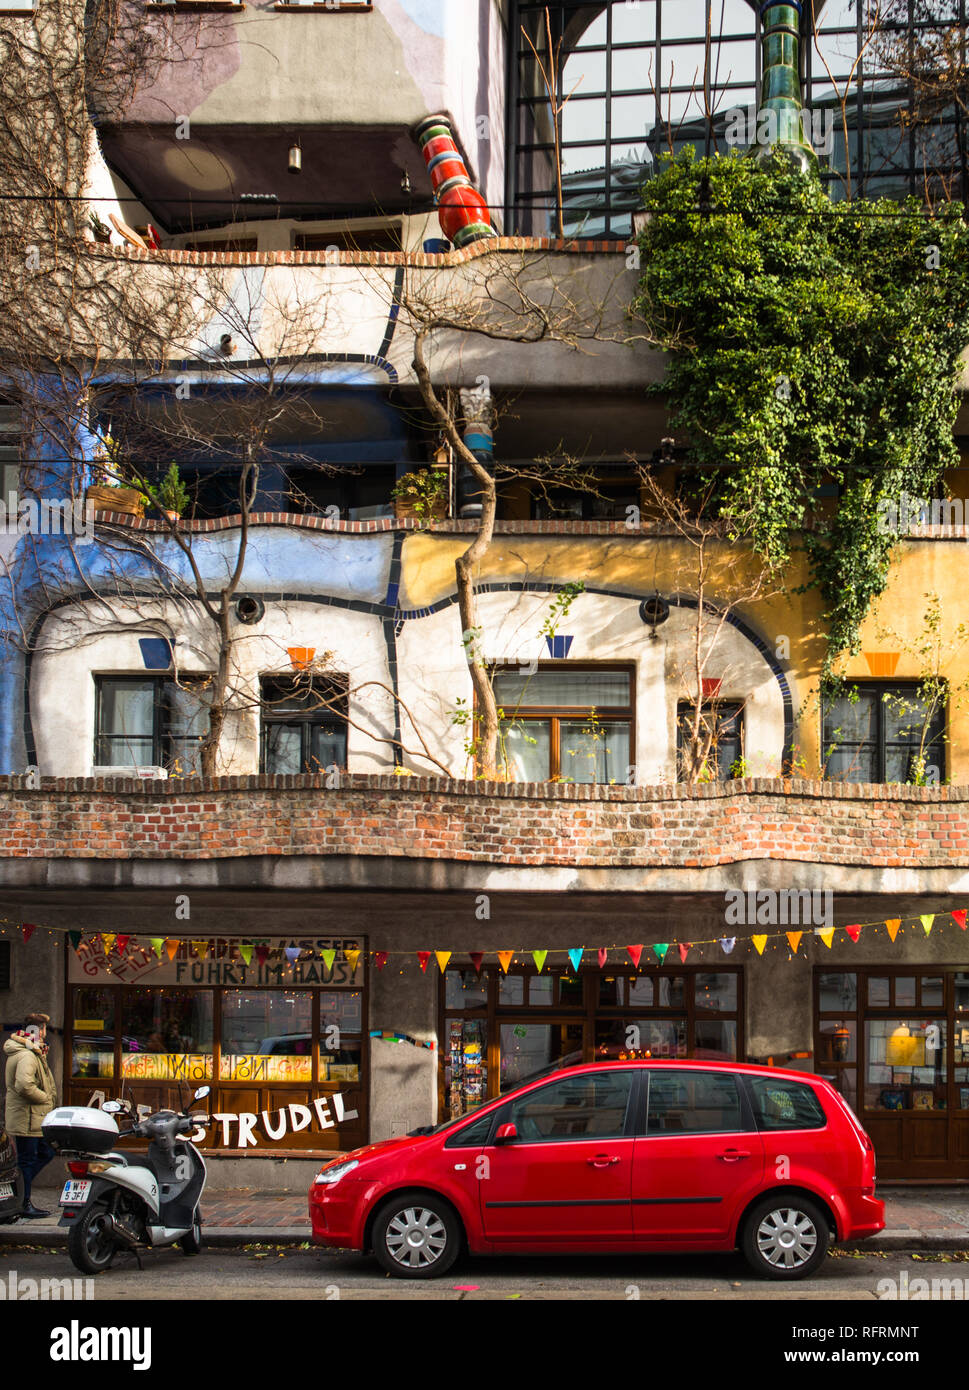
734,1155
602,1160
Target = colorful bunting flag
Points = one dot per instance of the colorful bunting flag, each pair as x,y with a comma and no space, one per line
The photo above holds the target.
959,918
927,921
794,940
123,944
423,957
262,954
108,939
854,931
329,956
505,957
442,959
353,960
760,942
893,925
74,937
157,942
727,943
634,953
292,953
27,929
826,934
245,951
660,949
539,958
575,956
171,946
477,959
201,948
684,949
602,957
380,959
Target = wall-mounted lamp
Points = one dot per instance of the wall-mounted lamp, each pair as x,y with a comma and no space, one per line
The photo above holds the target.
295,158
405,184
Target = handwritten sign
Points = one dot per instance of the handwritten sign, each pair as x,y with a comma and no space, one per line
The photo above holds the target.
222,965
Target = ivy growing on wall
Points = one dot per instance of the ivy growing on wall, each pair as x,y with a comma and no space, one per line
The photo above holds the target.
810,343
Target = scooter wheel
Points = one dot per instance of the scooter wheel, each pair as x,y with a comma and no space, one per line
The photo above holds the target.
90,1242
192,1243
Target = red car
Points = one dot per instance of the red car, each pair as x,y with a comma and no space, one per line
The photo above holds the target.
616,1157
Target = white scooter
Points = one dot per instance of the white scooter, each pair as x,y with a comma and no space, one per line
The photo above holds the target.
127,1201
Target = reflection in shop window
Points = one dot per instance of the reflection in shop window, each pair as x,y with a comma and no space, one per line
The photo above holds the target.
168,1035
529,1048
906,1064
620,1040
341,1028
92,1048
267,1036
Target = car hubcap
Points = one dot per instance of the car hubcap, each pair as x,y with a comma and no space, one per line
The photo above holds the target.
787,1238
416,1237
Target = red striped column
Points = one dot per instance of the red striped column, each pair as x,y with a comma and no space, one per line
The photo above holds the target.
462,211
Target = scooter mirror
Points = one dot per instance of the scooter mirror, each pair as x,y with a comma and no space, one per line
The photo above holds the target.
112,1107
202,1092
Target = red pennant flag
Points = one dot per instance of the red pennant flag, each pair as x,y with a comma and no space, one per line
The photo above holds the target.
123,944
380,959
477,957
854,932
684,949
959,918
603,953
424,957
634,953
262,954
28,929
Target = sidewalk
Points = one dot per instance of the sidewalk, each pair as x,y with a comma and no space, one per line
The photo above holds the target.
917,1218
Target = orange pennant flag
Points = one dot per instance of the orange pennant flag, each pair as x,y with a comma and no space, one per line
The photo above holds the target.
353,960
760,942
794,940
442,959
506,958
893,926
171,946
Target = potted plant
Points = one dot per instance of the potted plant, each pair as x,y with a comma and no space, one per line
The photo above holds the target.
102,232
423,495
171,495
112,492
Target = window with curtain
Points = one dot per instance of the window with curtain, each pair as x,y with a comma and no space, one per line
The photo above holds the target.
571,724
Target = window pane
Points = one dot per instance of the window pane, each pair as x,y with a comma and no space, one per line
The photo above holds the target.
266,1036
591,1106
563,690
715,1039
838,992
635,1039
786,1104
127,717
465,1065
932,994
716,993
878,987
511,990
593,752
284,749
640,992
341,1017
839,1040
465,989
686,1102
906,1068
92,1052
328,747
672,991
541,991
167,1035
527,1048
526,749
905,992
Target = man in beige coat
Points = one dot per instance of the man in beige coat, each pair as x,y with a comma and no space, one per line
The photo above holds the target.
31,1094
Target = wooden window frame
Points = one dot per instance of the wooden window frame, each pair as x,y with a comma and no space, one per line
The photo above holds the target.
882,688
162,738
308,719
557,714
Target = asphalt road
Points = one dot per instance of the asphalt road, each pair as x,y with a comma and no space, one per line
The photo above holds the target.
267,1272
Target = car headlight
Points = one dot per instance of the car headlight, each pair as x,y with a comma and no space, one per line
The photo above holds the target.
335,1174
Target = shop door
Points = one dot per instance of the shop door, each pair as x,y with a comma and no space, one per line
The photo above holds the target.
699,1159
566,1179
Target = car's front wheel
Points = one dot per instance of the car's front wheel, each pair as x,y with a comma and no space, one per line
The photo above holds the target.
416,1236
785,1237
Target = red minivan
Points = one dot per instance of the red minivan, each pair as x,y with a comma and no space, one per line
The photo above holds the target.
616,1157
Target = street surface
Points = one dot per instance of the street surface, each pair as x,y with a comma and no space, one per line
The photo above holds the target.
268,1272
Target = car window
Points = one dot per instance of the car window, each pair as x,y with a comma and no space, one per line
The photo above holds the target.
693,1102
785,1104
590,1106
472,1135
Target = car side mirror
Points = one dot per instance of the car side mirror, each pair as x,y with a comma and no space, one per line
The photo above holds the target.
507,1134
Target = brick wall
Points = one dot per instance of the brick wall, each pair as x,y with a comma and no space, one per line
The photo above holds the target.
532,824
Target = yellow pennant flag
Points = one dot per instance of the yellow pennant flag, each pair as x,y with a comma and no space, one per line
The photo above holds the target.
760,942
927,921
893,927
353,959
329,956
442,959
794,940
171,946
108,940
506,958
827,936
201,949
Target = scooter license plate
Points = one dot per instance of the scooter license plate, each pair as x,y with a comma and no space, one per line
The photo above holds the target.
75,1192
6,1191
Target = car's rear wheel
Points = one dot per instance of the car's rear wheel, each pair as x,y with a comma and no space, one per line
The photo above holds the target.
416,1236
785,1237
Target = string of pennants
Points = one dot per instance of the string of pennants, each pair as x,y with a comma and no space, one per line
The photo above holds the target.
263,951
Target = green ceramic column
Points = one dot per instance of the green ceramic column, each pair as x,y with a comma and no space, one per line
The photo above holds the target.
779,120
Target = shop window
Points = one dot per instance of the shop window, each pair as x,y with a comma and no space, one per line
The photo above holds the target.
726,722
4,964
569,724
785,1105
150,721
93,1033
637,1039
341,1034
884,733
906,1064
688,1102
267,1035
344,238
304,725
590,1106
168,1035
465,1065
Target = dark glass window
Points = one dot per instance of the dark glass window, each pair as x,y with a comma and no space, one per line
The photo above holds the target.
884,733
590,1106
785,1104
150,721
690,1102
473,1135
726,720
304,725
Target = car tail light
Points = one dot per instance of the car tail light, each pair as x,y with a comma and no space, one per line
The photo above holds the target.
78,1168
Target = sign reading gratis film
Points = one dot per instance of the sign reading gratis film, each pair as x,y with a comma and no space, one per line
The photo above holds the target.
222,965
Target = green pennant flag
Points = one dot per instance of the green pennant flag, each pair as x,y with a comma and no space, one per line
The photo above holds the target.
328,958
245,951
539,958
660,950
927,921
157,942
75,939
